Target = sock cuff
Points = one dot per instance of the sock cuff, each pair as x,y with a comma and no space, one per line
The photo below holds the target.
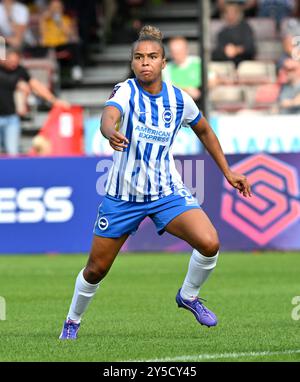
204,261
86,285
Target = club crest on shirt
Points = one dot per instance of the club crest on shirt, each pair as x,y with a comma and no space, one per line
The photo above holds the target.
114,91
103,223
167,116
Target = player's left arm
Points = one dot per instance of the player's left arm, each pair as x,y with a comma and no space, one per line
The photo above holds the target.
210,141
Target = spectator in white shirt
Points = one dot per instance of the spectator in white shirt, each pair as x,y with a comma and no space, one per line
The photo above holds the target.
14,18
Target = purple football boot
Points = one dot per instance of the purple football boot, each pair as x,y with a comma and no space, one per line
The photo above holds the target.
69,330
203,315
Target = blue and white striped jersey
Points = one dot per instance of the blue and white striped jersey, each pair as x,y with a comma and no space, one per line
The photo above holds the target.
146,171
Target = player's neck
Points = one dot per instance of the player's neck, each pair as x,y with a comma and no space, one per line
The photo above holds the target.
151,87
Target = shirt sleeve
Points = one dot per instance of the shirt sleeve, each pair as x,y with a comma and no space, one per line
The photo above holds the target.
119,97
21,14
24,74
191,113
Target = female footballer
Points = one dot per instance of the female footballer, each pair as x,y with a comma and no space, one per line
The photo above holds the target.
143,180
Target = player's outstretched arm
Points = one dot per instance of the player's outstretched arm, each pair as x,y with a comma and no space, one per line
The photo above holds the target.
210,141
110,118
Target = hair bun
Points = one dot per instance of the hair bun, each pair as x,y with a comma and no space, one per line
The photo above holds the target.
150,31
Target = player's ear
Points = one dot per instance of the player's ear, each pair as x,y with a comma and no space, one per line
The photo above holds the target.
164,62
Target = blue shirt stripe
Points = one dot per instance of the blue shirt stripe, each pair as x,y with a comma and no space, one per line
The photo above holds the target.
154,112
166,104
179,112
167,159
138,155
157,169
146,158
128,134
134,180
142,111
117,186
131,110
147,153
149,189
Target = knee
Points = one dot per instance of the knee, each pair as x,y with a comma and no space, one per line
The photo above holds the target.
210,247
94,273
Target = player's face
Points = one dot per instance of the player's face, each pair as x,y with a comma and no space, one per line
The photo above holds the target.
147,61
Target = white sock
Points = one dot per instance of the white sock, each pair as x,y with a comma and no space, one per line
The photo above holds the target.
200,267
83,294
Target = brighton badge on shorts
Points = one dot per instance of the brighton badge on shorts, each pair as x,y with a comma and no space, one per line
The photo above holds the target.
103,223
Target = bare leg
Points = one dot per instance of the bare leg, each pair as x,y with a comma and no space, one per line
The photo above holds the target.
103,253
195,228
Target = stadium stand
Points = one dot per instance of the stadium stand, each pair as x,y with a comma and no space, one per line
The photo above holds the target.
228,99
225,71
263,96
252,85
44,69
256,72
263,28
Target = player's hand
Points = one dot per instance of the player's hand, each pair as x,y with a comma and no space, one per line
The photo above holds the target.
118,141
239,182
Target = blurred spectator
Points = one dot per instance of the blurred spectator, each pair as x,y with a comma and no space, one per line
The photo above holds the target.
235,41
249,7
86,14
289,98
14,77
36,5
277,9
125,23
291,48
297,9
184,70
14,18
287,44
110,9
290,44
292,26
58,31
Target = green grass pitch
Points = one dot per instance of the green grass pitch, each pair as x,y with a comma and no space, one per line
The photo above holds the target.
134,315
